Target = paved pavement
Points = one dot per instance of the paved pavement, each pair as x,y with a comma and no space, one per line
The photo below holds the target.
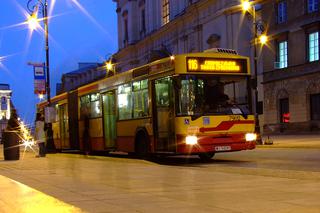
292,141
75,183
17,197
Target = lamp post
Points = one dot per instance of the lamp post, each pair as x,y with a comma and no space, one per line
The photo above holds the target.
33,6
262,39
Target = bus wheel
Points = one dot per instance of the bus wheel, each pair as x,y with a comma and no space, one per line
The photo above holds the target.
142,145
206,156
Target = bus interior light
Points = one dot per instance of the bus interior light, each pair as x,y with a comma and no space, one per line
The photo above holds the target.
251,137
191,140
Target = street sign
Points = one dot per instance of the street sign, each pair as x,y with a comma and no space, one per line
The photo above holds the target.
39,78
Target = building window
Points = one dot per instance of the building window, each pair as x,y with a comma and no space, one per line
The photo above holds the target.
259,108
313,6
314,46
282,12
283,54
165,12
143,20
284,110
315,106
126,33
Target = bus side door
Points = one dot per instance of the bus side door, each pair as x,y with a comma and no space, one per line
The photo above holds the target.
163,114
109,119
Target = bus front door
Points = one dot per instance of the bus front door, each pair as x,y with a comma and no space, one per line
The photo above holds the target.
109,119
163,112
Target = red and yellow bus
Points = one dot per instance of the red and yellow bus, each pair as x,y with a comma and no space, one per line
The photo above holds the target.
196,103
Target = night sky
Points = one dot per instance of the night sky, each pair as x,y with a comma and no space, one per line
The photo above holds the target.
79,30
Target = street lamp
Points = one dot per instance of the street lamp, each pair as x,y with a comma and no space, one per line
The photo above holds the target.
248,6
33,21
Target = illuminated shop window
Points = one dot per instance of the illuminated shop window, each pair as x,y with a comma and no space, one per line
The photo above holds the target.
284,110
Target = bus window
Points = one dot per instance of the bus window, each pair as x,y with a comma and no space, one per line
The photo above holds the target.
125,102
84,105
92,103
162,88
140,99
95,105
201,95
190,95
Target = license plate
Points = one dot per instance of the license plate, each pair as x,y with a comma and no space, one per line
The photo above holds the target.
222,148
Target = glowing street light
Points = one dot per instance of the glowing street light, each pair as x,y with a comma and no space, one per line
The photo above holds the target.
263,39
109,66
33,6
33,21
40,96
248,6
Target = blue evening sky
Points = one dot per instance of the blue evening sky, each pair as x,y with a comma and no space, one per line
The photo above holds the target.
80,31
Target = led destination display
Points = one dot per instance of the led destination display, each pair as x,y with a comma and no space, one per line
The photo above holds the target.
218,65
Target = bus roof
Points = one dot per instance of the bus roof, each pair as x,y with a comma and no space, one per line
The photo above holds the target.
211,62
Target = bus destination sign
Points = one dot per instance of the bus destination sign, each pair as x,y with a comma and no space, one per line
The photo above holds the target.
217,65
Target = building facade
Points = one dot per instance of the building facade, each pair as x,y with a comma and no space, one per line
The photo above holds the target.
152,29
85,74
148,29
291,66
5,110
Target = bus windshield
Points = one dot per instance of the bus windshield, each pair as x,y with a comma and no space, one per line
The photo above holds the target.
199,95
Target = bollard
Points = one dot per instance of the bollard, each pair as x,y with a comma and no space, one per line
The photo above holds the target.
11,148
268,141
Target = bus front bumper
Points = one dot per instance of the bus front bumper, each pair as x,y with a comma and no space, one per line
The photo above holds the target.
215,144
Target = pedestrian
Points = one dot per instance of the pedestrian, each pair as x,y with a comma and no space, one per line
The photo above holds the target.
86,134
40,135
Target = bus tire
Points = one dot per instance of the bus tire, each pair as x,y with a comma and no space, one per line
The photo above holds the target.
206,156
142,145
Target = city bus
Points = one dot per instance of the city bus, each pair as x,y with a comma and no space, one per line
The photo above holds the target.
188,104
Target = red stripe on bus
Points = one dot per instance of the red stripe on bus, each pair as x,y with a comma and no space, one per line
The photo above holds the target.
225,125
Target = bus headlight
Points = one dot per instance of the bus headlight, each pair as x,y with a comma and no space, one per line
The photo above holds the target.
251,137
191,140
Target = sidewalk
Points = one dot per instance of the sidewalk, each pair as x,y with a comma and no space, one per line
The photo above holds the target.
68,182
292,141
17,197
